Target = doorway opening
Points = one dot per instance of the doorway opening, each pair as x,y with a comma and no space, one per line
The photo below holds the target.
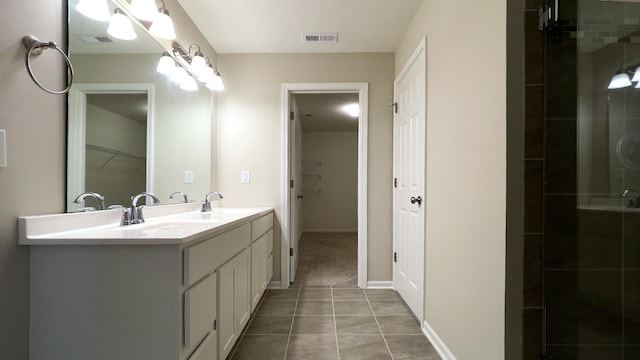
293,168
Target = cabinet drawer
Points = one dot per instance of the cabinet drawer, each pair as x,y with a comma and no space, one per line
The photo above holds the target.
261,226
207,350
270,243
204,258
199,311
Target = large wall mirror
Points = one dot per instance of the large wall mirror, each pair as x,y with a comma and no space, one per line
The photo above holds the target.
130,128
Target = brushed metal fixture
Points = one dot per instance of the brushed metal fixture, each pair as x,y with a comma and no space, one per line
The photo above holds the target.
184,196
416,200
35,47
99,198
206,205
134,215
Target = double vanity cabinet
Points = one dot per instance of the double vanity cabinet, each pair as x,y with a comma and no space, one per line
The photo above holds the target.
179,287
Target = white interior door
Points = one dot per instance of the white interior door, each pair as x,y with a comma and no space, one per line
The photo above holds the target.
295,156
409,183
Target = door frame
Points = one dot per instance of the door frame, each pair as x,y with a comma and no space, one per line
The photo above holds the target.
362,89
77,126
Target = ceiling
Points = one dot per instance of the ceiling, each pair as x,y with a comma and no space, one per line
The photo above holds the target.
276,26
324,112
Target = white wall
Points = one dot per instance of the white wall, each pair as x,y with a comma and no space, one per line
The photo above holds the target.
466,171
331,201
249,129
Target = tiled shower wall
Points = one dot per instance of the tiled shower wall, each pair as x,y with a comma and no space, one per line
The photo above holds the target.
581,267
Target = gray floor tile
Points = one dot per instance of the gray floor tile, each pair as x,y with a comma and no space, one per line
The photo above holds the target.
348,295
313,325
398,325
357,325
316,347
382,295
314,308
411,347
352,308
276,308
362,347
264,347
269,325
315,294
282,295
389,308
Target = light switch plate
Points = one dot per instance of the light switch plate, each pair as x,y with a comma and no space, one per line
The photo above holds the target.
245,177
188,177
3,148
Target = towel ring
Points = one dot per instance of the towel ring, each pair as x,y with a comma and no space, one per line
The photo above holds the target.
36,47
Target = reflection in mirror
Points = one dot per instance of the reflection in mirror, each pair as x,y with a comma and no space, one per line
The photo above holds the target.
130,128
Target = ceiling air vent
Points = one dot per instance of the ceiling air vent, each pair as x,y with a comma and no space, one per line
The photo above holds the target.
328,37
95,39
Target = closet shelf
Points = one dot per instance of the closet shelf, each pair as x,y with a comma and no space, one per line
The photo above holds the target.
114,153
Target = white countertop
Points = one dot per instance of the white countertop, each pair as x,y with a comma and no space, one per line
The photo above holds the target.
165,224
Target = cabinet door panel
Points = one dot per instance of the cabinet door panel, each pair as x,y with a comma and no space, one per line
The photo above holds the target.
199,311
269,268
227,334
207,350
242,286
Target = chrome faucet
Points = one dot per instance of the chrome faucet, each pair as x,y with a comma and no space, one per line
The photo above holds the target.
633,196
133,215
99,198
206,205
184,196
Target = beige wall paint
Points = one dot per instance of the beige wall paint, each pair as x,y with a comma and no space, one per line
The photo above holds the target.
331,201
249,133
466,171
33,182
182,121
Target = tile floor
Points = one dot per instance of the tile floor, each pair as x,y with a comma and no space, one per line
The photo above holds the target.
322,316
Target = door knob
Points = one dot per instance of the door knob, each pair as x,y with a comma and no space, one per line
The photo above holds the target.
300,196
416,200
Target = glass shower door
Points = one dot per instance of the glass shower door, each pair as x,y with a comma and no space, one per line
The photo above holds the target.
592,182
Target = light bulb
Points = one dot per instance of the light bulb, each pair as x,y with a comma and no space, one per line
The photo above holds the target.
207,75
120,26
636,75
352,109
166,65
162,26
189,84
198,65
619,80
216,84
94,9
178,75
144,9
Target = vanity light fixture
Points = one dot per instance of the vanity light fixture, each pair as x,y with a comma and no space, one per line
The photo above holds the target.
162,25
636,75
120,26
198,63
145,10
216,84
179,75
94,9
166,65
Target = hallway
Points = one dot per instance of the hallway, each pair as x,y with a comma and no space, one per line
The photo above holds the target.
325,316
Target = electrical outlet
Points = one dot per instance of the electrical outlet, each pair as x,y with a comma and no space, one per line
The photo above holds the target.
188,177
245,177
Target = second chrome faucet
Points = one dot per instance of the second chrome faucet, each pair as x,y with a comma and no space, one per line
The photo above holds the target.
212,196
133,215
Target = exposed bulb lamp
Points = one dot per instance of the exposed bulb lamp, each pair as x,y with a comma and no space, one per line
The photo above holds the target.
166,65
94,9
162,25
216,84
120,26
636,75
179,75
145,10
198,63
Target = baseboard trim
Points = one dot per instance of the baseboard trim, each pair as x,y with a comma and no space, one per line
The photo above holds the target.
274,285
379,284
438,344
330,231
